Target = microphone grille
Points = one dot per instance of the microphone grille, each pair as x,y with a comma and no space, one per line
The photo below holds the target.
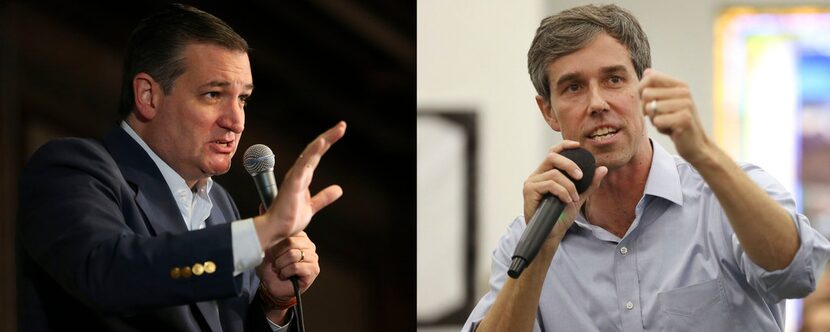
586,162
258,158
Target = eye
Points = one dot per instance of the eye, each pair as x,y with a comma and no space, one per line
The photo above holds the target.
243,100
614,80
572,88
212,95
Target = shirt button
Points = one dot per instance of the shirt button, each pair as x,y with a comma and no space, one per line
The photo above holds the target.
629,305
624,250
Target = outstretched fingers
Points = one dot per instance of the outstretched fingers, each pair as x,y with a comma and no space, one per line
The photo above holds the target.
301,173
325,197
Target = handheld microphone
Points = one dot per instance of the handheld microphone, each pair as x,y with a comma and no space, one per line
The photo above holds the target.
547,214
259,162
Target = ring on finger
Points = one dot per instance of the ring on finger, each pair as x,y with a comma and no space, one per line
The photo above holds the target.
302,256
653,106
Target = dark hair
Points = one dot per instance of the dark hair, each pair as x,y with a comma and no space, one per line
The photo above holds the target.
567,32
156,45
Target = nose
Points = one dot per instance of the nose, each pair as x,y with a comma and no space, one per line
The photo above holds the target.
597,102
233,118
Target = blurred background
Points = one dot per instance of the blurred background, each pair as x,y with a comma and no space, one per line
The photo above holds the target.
314,63
759,72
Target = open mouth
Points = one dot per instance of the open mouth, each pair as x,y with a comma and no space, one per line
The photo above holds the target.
223,146
223,142
603,133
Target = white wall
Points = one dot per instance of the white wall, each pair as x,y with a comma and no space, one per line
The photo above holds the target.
472,55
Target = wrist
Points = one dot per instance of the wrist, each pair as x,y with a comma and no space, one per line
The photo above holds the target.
266,232
705,156
277,318
275,302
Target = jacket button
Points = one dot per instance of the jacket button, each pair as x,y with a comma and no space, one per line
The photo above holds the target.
198,269
175,273
210,267
186,273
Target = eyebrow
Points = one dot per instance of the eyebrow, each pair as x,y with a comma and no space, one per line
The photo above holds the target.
222,84
570,77
613,69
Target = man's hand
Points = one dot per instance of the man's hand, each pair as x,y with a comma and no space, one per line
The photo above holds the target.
669,104
292,209
294,257
549,178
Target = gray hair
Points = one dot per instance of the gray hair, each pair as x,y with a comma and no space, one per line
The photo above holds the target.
567,32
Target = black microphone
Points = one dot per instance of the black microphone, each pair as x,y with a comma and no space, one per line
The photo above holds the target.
259,162
547,214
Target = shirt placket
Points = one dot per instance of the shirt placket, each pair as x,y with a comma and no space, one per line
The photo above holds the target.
628,281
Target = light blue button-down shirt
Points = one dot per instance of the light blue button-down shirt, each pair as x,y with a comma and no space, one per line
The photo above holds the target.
679,267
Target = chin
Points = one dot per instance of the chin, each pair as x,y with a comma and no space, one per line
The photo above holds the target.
612,160
212,170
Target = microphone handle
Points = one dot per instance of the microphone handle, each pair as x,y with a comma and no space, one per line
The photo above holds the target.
546,215
266,186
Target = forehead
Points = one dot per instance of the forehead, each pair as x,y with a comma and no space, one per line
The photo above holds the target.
601,52
208,63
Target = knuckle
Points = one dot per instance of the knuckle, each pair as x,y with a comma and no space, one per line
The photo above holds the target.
570,186
559,190
526,191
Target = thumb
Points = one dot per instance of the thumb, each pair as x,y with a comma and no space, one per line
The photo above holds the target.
599,174
325,197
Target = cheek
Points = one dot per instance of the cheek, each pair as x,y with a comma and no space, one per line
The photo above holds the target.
631,96
628,103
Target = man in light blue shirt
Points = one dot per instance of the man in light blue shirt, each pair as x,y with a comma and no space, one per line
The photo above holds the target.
657,242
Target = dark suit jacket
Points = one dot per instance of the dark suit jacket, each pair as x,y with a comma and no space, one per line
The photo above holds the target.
99,235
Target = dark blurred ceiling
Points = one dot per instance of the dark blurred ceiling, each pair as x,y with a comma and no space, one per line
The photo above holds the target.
314,63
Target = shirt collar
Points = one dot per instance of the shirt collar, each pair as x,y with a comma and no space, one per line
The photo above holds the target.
174,180
663,178
663,181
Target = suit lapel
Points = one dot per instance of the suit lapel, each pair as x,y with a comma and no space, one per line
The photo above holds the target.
153,194
212,219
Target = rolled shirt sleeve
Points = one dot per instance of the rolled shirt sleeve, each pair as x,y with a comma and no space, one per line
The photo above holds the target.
798,279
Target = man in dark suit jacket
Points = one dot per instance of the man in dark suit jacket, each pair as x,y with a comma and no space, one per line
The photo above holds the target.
132,234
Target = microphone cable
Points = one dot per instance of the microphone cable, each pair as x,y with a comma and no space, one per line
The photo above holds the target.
298,308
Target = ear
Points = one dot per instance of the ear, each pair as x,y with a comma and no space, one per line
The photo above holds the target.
547,113
147,96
